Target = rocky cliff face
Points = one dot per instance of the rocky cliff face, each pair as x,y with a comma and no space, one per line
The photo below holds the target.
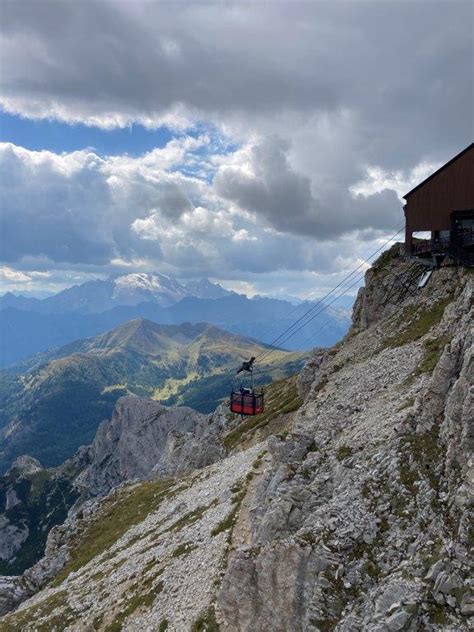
32,501
144,437
362,520
355,516
142,440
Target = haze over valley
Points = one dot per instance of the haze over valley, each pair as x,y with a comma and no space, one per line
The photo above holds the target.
31,325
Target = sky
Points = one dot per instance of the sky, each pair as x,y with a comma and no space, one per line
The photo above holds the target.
264,145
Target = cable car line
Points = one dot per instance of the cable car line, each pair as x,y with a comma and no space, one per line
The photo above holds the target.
283,336
313,335
400,308
389,318
332,318
269,369
323,308
288,333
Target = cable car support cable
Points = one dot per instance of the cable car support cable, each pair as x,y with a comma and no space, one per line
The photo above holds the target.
288,333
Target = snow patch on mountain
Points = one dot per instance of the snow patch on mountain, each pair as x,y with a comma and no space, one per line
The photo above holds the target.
134,288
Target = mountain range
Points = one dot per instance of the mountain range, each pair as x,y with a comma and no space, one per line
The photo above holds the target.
53,403
30,325
346,505
98,295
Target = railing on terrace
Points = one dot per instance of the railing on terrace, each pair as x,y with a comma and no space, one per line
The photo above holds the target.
455,246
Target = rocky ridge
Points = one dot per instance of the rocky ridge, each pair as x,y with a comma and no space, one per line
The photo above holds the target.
110,561
362,520
356,517
142,439
32,501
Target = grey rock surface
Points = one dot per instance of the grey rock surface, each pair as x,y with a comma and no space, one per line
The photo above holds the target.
131,443
361,523
12,537
24,465
142,440
357,519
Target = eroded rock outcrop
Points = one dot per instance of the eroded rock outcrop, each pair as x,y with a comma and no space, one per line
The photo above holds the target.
353,518
142,440
130,444
146,557
32,501
361,523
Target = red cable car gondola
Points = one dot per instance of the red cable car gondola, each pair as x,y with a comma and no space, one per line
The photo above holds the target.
246,401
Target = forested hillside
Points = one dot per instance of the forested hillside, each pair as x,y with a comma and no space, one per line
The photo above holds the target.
55,402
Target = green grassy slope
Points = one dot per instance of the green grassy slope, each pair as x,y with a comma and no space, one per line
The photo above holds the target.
58,403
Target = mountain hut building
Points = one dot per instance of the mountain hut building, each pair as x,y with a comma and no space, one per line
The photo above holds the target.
443,205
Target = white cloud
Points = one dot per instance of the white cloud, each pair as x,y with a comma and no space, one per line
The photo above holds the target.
331,128
378,180
262,180
384,72
9,274
99,214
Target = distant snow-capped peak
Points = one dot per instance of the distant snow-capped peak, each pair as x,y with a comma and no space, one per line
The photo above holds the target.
137,287
148,281
140,286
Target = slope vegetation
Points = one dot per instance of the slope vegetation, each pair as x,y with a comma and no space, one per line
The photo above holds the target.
58,400
354,517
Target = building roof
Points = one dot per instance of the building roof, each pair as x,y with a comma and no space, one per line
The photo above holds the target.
450,162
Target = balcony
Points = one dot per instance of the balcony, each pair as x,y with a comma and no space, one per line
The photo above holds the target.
459,246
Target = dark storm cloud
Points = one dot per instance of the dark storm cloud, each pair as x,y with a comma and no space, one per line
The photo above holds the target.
272,189
313,93
404,68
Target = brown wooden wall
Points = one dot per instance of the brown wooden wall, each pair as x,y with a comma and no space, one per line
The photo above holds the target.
429,207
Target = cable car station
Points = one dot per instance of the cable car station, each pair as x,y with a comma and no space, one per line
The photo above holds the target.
443,204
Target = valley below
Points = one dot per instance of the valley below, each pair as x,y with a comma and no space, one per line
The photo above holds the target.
54,403
346,505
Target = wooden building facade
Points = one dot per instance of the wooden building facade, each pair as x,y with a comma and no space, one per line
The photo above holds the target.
443,204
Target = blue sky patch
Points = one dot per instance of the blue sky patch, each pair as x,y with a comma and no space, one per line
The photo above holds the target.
58,137
134,140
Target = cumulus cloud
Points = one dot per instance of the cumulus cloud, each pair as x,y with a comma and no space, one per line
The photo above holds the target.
78,207
49,205
399,69
257,214
331,110
261,180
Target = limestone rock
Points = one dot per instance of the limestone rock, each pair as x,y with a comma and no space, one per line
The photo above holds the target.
11,538
144,438
356,520
311,375
129,445
24,465
374,480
